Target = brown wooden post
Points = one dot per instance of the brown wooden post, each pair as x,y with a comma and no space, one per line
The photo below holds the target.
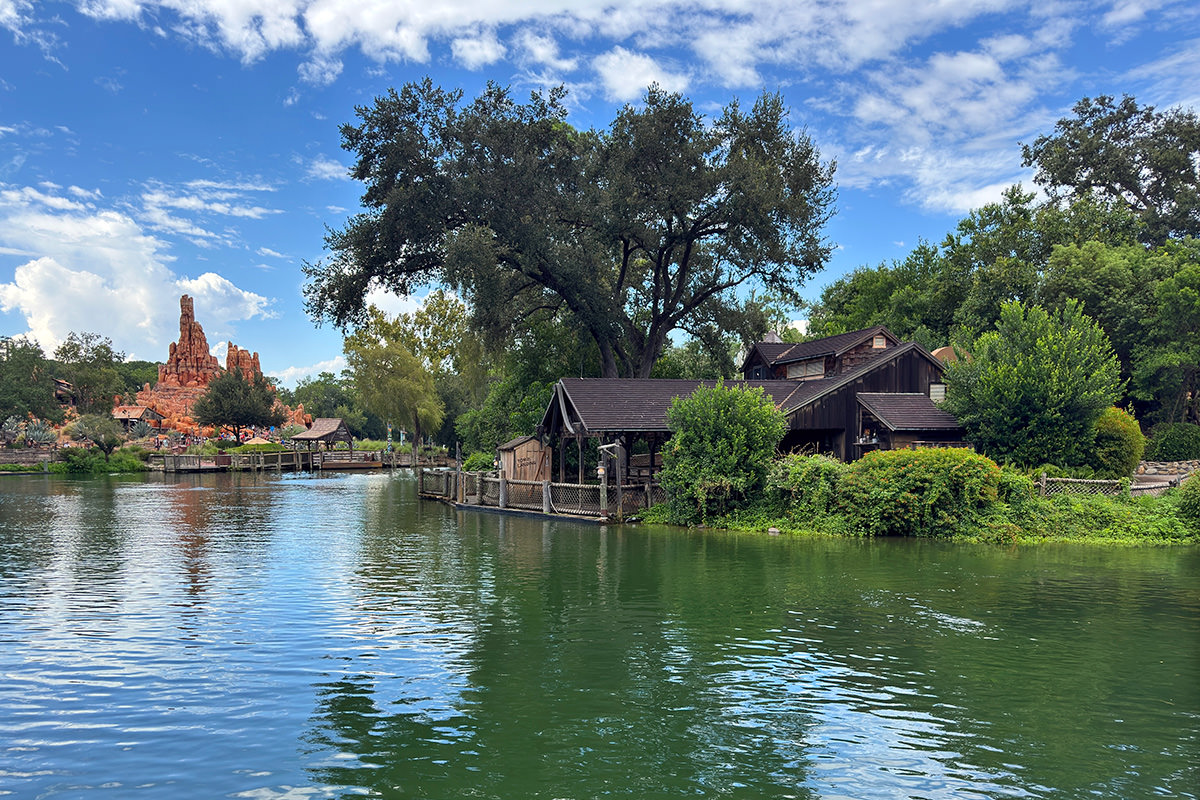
420,481
503,489
545,497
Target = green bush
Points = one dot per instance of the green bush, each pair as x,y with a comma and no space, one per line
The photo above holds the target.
805,485
923,492
723,441
1175,441
82,460
124,460
1119,444
479,461
269,447
1015,488
1188,502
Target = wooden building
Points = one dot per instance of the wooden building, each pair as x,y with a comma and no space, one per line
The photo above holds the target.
327,431
525,459
824,413
129,416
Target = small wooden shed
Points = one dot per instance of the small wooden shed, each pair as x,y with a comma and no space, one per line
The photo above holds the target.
325,430
525,459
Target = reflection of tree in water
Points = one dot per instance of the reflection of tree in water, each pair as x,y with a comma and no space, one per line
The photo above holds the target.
570,668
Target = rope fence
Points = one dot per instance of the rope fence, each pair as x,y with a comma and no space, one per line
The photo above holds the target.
1049,487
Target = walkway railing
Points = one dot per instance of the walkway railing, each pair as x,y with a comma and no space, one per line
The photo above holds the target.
568,499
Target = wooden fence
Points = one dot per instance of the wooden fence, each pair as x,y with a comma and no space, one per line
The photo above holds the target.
598,501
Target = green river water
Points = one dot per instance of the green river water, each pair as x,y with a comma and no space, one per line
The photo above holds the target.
306,636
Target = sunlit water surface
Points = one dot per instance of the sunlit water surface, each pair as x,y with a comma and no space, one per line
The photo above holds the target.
301,636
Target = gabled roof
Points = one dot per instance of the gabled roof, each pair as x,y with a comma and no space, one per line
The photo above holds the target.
134,412
907,412
514,443
831,345
325,429
783,353
640,404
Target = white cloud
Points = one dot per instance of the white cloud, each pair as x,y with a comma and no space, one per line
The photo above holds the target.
327,169
393,304
474,52
536,49
626,74
321,70
290,376
266,251
98,270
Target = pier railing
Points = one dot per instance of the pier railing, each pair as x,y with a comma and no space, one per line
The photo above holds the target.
494,490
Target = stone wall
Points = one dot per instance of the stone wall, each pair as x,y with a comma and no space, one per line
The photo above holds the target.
32,455
1168,467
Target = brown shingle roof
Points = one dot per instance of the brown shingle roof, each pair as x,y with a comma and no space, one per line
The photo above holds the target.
640,404
325,429
830,345
907,412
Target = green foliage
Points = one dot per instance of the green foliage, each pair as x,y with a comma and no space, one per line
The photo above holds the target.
89,362
81,460
102,431
1015,488
512,408
1188,502
1119,444
10,429
1033,388
39,432
26,382
479,461
923,492
236,402
805,486
723,439
648,226
1143,159
391,381
1179,441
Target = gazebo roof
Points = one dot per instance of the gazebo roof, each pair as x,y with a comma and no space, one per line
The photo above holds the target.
326,429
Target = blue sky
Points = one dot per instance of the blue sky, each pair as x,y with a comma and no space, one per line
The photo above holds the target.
151,149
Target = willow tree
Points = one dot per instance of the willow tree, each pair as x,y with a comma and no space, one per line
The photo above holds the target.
634,231
392,383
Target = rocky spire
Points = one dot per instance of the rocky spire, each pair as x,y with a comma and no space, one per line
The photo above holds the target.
188,361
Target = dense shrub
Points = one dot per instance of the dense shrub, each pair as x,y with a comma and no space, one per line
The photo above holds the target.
1119,444
1177,441
1015,488
1188,499
924,492
723,441
805,486
479,461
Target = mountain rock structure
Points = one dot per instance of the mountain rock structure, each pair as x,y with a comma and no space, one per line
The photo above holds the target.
190,368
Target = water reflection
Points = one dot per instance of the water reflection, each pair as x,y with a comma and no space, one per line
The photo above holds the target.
297,636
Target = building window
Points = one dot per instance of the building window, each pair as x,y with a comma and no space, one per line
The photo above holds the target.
807,370
937,392
879,342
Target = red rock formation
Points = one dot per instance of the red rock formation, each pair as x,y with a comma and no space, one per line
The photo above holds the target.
190,368
188,361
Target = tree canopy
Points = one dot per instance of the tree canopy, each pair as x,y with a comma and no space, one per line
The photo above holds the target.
92,366
26,385
236,402
392,382
1031,390
1145,160
634,231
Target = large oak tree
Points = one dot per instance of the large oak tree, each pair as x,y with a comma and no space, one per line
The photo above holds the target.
648,226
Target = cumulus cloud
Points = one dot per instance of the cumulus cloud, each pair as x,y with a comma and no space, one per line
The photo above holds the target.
474,52
98,269
626,74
